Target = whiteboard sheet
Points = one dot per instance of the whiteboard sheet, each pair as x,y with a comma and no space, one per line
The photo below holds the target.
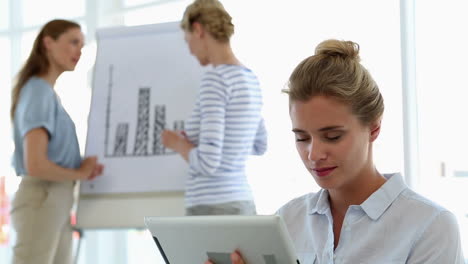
145,80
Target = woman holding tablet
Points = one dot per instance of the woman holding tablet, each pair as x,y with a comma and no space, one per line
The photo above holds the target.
359,215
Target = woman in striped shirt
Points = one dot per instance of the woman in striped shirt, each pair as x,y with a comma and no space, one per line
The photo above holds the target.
226,125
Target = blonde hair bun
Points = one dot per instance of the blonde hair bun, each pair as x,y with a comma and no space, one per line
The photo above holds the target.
344,49
212,15
335,71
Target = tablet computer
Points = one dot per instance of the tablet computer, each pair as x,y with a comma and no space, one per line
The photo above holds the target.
194,239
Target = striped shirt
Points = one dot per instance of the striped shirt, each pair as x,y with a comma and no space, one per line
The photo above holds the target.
226,126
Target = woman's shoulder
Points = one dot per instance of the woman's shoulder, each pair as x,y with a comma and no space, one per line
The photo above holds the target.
37,86
394,197
36,95
417,208
228,71
411,199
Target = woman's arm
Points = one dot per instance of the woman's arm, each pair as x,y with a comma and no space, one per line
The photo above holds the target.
260,143
178,142
206,156
38,165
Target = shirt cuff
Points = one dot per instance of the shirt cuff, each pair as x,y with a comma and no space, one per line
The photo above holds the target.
193,159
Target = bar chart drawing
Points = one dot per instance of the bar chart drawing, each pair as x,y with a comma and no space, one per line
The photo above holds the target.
144,81
120,145
159,125
141,139
144,145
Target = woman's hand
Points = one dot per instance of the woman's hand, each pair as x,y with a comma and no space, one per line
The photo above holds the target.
236,258
90,168
177,141
97,171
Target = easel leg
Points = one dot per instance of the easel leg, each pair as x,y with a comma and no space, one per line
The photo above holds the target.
77,252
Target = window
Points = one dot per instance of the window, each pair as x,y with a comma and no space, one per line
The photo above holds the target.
27,40
167,12
50,9
129,3
280,176
441,87
4,14
5,139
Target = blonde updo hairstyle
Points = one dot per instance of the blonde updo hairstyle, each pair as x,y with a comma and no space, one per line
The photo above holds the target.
212,16
335,71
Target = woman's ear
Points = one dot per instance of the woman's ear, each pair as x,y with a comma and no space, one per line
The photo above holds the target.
198,29
375,129
47,41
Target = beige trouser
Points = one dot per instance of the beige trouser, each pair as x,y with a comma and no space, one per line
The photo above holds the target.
40,215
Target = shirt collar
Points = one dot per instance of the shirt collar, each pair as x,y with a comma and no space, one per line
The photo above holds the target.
381,199
319,203
374,206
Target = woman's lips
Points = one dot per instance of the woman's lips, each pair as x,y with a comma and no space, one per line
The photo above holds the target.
324,171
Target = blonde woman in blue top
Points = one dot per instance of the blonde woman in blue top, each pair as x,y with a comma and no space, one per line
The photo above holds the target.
226,125
359,215
47,154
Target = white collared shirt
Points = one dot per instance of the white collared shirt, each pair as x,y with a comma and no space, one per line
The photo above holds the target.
394,225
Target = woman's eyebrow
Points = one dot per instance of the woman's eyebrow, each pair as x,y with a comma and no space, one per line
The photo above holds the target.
328,128
297,130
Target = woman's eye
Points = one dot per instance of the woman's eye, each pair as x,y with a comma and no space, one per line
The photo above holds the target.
333,136
301,139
